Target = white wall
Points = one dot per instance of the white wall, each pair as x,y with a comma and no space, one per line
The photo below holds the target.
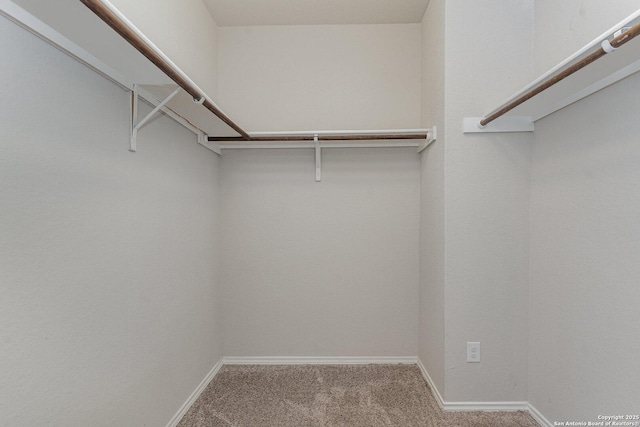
329,268
432,218
488,57
322,77
320,269
585,237
110,294
108,259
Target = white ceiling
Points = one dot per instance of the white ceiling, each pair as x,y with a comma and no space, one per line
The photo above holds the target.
315,12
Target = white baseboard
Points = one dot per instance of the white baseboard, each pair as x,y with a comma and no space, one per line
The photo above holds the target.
410,360
432,385
473,406
486,406
539,417
194,396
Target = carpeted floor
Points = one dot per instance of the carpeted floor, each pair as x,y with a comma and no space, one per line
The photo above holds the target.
331,396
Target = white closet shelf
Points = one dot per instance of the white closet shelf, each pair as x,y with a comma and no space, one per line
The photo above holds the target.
568,82
74,29
97,34
317,140
418,138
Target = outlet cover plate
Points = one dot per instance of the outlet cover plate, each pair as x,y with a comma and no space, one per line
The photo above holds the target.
473,352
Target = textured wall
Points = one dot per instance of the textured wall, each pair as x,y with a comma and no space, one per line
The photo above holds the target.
486,202
432,218
321,77
320,269
585,237
330,268
108,259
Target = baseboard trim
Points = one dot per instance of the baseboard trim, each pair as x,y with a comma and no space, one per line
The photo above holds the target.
432,385
194,396
409,360
537,415
469,406
486,406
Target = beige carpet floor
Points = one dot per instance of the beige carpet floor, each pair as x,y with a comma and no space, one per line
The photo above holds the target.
331,396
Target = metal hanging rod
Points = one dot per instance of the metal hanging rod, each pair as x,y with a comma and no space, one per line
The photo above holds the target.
417,138
605,48
119,23
332,137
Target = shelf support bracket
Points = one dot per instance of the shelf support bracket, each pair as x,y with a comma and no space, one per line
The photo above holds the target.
203,140
135,125
432,135
501,124
316,143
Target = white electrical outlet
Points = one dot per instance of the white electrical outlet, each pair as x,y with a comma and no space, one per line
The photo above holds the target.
473,352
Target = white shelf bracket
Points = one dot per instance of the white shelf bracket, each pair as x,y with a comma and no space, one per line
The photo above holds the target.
501,124
203,139
432,135
135,125
316,143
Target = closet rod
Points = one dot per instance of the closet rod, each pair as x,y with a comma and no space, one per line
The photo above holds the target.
335,137
117,23
605,48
